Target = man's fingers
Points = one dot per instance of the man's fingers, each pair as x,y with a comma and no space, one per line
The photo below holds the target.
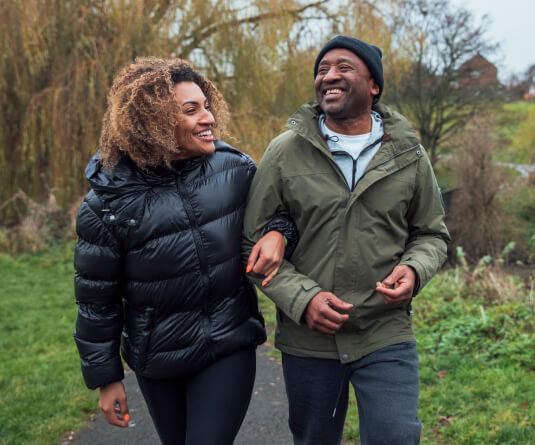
324,329
333,316
324,326
335,302
393,293
328,324
395,296
396,274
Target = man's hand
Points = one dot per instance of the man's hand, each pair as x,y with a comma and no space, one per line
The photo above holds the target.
267,255
321,316
398,286
112,402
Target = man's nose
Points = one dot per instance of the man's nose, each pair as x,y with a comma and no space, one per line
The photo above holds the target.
331,75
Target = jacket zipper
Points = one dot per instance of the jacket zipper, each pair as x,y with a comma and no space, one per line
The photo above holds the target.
355,161
393,157
205,324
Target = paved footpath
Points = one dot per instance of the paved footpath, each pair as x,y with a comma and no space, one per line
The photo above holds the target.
265,423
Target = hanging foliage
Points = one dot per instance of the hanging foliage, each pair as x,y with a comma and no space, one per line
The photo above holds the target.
59,58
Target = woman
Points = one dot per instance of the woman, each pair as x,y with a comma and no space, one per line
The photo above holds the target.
158,258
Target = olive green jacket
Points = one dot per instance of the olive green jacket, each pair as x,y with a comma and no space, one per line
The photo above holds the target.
348,240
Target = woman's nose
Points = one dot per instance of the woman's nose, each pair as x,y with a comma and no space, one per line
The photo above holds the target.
207,117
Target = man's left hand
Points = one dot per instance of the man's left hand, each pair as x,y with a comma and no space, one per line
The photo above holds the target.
398,286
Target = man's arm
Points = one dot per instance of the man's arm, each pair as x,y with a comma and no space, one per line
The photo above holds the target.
428,236
289,289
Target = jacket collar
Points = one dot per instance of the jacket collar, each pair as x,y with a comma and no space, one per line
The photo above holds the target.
399,134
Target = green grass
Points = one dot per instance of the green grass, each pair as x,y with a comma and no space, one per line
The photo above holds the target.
477,367
42,392
514,129
477,359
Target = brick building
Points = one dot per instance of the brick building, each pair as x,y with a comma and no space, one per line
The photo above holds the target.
478,72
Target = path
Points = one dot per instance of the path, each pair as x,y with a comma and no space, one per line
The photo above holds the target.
265,422
524,169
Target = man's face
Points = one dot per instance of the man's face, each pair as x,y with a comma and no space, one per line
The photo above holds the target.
344,85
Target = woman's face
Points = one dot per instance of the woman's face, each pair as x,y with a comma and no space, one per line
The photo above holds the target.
193,132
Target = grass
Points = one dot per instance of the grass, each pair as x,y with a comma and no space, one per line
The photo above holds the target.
514,129
477,358
477,366
43,395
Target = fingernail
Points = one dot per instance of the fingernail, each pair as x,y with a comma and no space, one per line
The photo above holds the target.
127,417
264,283
248,269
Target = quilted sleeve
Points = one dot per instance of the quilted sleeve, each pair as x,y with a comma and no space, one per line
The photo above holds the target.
98,292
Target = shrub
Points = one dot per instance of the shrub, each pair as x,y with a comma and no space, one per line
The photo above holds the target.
518,224
475,213
39,225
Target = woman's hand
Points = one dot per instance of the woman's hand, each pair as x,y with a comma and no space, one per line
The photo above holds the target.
112,402
267,255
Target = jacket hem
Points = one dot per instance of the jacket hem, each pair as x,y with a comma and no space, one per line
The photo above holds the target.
335,355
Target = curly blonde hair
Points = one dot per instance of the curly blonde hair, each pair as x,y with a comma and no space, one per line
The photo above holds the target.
143,111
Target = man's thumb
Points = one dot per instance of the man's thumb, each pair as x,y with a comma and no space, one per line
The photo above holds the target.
340,304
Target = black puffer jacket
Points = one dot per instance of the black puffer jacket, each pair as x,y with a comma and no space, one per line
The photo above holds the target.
158,259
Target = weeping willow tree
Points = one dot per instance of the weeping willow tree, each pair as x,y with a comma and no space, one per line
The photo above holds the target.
59,58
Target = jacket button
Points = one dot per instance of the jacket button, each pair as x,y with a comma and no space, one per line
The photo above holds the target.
112,217
132,222
345,356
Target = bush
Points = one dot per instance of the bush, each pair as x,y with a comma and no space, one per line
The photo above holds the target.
39,225
518,224
475,215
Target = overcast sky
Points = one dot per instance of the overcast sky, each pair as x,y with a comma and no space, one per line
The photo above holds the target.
513,27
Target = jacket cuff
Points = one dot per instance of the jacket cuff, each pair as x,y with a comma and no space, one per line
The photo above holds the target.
284,225
418,271
298,307
96,376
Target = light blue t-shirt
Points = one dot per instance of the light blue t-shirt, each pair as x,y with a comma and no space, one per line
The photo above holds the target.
353,153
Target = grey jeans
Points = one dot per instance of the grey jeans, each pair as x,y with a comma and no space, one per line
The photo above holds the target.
386,388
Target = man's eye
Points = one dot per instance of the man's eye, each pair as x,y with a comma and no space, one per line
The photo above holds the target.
344,68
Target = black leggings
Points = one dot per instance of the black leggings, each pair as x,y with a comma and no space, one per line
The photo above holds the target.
205,408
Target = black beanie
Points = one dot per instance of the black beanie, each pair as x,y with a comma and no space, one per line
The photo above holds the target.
369,54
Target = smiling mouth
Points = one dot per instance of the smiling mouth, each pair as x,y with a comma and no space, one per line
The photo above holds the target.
205,135
332,91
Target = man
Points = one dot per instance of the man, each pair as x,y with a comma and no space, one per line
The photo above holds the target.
361,190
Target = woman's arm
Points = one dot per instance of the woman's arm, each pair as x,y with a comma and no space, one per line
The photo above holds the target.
278,243
98,291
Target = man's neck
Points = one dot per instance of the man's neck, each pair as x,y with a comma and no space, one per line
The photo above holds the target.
353,126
